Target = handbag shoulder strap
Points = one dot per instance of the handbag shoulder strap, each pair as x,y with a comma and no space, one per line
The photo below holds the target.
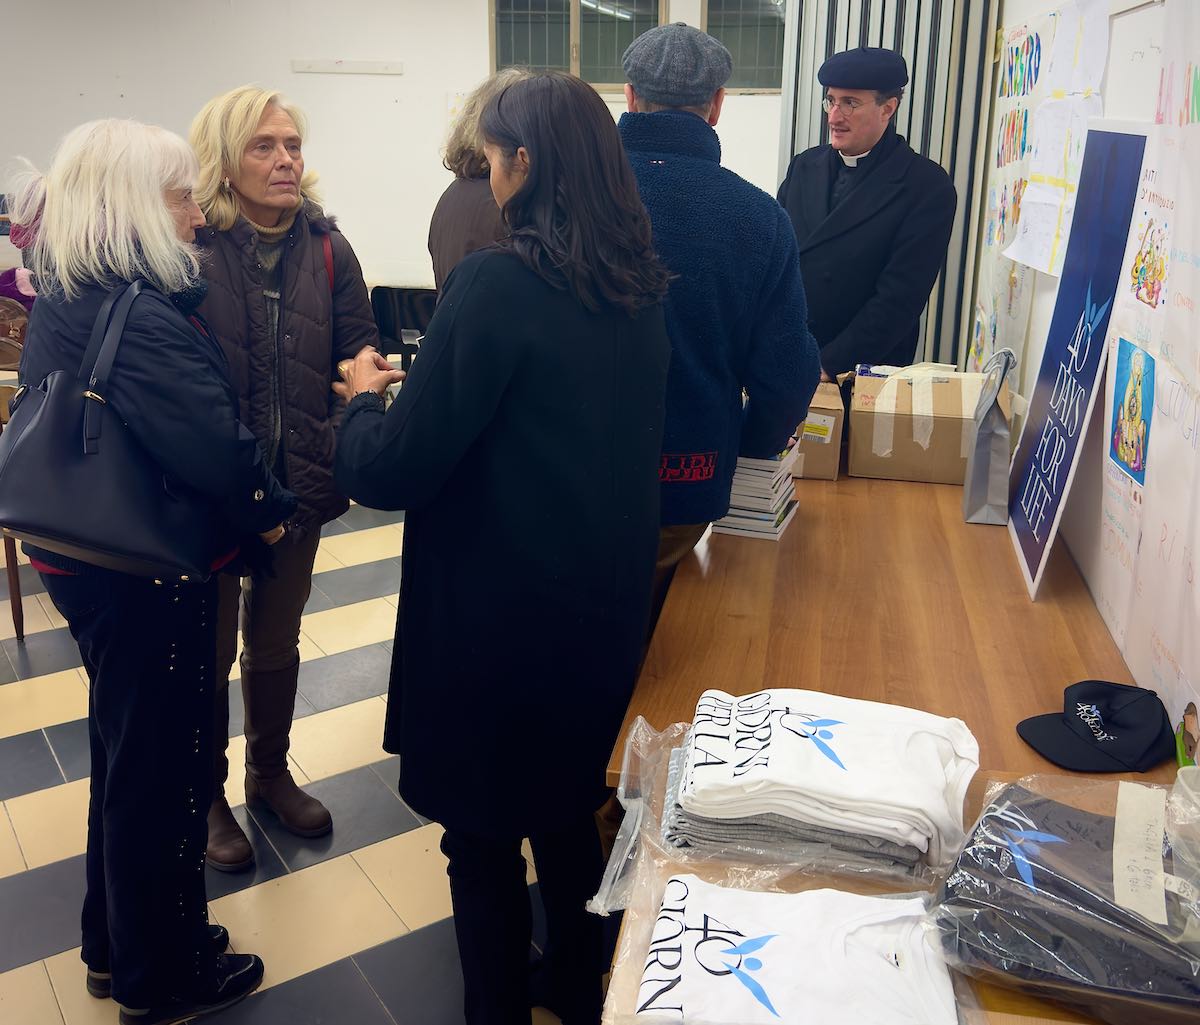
111,329
97,336
327,249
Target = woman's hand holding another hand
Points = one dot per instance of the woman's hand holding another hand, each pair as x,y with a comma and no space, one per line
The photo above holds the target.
367,372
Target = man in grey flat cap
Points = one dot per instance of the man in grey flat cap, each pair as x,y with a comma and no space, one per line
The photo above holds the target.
872,217
736,313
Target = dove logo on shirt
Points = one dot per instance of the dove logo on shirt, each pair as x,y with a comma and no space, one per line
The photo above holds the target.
1017,835
810,727
718,949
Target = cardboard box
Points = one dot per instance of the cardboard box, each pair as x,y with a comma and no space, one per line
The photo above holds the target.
915,425
820,435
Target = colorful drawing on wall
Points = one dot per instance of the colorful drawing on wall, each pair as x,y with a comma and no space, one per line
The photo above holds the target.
1133,411
1016,286
1012,140
1022,63
993,213
1187,736
1149,270
1018,190
1002,220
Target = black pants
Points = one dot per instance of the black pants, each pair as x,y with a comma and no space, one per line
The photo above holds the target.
148,650
493,922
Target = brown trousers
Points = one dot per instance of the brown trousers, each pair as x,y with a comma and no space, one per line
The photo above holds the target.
269,611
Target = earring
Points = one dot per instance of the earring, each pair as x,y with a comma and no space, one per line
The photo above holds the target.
226,183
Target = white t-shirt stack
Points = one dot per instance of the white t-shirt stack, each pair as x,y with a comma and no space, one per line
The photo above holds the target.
859,767
721,956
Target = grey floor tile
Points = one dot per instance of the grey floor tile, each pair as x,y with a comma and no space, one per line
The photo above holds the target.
318,601
337,994
267,863
349,676
27,764
39,912
333,528
69,740
50,651
359,517
31,582
364,812
359,583
418,976
7,673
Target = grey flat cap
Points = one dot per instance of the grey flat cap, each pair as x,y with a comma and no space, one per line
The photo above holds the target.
677,65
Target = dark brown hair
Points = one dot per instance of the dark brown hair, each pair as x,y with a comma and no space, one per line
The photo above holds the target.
577,220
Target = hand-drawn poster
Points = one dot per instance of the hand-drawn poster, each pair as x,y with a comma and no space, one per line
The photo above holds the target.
1139,551
1060,408
1179,82
1004,289
1075,68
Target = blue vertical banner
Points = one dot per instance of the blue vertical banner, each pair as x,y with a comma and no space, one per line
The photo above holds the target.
1072,364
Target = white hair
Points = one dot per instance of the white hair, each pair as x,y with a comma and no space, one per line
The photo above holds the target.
100,214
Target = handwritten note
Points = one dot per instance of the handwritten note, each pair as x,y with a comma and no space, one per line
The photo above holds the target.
1139,882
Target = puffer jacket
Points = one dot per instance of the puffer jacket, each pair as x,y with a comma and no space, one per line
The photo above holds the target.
318,327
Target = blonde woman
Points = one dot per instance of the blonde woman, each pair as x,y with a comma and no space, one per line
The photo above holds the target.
467,218
146,645
287,301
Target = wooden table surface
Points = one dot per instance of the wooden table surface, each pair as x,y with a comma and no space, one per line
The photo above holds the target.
880,591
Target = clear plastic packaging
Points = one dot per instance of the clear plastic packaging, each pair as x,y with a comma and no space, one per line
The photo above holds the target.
1083,891
646,792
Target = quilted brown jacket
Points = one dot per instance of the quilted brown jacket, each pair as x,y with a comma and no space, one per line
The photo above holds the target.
317,328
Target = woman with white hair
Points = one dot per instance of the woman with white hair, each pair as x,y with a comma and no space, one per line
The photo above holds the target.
287,302
116,207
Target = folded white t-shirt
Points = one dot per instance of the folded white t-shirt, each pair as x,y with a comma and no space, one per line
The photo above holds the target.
842,763
721,956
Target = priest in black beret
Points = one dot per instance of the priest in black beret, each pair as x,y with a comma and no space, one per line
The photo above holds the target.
872,217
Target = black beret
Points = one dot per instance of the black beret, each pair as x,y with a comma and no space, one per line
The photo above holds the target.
867,67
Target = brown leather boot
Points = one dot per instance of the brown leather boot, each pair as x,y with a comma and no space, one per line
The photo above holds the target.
270,698
228,849
297,812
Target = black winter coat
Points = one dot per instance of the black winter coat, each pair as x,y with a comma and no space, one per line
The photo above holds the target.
869,265
169,385
524,447
318,327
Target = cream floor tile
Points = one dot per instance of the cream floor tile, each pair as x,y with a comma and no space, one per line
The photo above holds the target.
324,562
51,824
339,739
351,626
369,545
52,614
11,859
309,919
22,558
410,871
78,1008
41,701
36,619
27,998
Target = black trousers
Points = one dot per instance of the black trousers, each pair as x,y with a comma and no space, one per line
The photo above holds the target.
148,650
493,922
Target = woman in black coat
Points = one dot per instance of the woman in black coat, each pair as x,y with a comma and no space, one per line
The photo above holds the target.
524,447
147,645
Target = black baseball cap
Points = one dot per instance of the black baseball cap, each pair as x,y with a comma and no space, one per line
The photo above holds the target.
1103,727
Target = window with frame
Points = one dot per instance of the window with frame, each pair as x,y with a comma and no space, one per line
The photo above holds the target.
585,37
752,30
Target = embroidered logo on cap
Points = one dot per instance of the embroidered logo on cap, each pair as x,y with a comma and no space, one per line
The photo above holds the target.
1094,721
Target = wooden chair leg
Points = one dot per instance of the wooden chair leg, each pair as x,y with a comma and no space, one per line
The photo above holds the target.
14,587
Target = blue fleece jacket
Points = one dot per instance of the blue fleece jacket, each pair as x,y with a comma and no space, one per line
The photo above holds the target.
736,314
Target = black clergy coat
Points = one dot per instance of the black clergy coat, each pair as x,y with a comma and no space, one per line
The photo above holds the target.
869,265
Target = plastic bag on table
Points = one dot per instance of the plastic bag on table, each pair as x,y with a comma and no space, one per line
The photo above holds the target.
647,791
1072,890
702,944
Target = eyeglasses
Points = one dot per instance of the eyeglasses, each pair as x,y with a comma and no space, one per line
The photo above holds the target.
848,105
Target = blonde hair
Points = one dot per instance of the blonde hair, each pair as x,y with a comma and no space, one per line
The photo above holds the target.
99,215
464,145
220,134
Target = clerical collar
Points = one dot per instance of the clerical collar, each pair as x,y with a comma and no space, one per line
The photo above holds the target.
853,161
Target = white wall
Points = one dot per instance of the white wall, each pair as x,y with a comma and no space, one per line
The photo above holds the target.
374,139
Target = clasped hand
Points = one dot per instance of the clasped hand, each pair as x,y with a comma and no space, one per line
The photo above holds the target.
367,372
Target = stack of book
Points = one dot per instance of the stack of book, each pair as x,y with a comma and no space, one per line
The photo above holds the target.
762,501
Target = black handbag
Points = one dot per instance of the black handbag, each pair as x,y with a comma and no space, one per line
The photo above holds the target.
75,481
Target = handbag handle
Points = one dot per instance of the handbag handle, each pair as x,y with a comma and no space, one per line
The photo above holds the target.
108,332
